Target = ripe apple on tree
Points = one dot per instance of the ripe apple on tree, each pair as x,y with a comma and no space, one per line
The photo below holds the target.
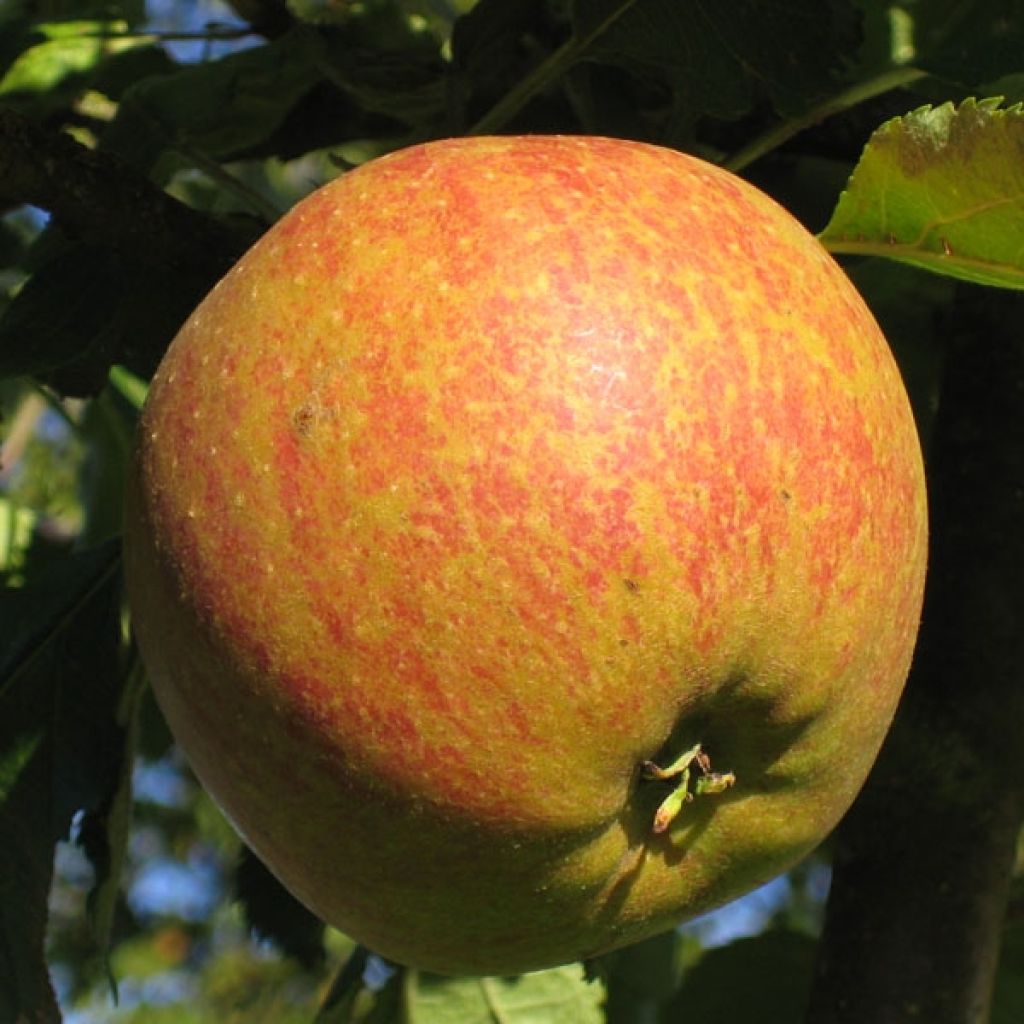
526,545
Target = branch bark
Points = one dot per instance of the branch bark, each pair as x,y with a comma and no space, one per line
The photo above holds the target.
94,197
924,859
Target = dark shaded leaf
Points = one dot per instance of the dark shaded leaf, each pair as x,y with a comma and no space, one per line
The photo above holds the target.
221,108
26,856
107,428
641,977
116,75
33,617
491,52
59,749
84,659
106,828
85,308
775,969
1008,994
62,315
721,59
274,913
406,86
971,43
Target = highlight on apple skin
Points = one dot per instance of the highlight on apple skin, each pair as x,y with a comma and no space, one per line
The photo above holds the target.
512,497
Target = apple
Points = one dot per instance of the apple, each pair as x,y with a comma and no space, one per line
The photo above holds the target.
526,545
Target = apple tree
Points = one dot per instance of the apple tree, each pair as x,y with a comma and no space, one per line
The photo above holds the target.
144,146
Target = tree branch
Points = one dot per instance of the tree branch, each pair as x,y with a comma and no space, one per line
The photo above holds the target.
924,859
94,197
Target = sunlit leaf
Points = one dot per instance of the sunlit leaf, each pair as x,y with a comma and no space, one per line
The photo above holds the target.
16,529
559,996
129,386
48,75
941,188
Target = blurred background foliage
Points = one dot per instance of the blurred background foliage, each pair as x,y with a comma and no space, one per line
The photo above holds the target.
154,910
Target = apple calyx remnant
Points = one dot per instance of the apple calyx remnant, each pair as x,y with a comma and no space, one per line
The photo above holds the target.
704,783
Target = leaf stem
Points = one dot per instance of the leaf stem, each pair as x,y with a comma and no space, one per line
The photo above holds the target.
781,133
549,70
966,268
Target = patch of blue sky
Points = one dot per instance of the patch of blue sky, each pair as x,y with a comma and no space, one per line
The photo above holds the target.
749,915
165,887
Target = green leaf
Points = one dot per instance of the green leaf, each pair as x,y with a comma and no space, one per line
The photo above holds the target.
47,76
17,526
721,58
559,996
221,108
941,188
764,978
129,386
1008,993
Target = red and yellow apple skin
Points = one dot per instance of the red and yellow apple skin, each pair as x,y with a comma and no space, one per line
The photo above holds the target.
496,468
